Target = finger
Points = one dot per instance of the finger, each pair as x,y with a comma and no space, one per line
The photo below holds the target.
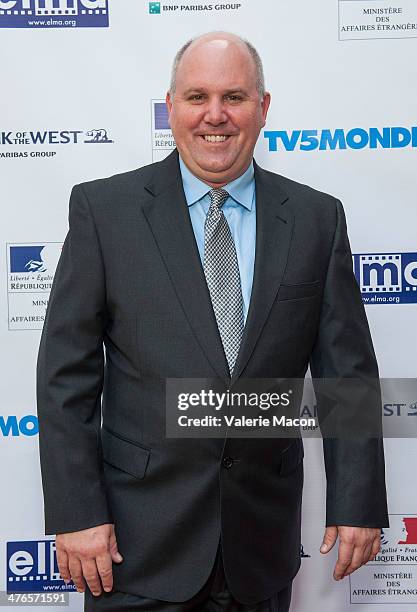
357,560
114,551
62,560
105,570
91,576
75,569
376,547
367,553
329,539
343,560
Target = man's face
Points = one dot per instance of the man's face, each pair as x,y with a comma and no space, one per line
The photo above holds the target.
216,112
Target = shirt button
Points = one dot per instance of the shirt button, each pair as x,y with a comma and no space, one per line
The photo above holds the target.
227,462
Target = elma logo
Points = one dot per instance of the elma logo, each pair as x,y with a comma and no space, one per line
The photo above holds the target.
32,567
355,138
387,278
53,13
25,426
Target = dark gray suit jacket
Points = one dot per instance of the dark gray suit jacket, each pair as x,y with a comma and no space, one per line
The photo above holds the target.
130,278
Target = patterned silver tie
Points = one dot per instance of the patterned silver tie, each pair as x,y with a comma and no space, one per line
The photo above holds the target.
221,269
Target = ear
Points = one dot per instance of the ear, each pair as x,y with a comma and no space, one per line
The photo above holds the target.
266,101
168,101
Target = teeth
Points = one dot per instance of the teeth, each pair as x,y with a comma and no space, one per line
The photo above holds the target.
215,138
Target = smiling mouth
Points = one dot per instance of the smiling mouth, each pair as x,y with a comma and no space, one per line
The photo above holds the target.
215,138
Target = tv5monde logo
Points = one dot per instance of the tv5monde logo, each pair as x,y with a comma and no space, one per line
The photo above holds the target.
387,278
32,568
54,13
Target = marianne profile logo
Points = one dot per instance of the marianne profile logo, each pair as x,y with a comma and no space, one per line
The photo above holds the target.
54,13
162,139
392,577
30,259
402,531
30,274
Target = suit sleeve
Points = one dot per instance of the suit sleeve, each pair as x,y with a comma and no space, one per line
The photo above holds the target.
343,352
70,379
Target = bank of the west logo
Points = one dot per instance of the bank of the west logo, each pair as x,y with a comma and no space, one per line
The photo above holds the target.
97,137
387,278
30,273
162,139
53,13
339,138
392,576
41,139
32,567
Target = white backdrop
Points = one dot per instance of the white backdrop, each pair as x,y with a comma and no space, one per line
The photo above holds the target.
78,102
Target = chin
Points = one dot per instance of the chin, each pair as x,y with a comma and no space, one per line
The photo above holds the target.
215,166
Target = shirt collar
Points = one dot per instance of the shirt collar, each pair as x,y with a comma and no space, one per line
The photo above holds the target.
241,189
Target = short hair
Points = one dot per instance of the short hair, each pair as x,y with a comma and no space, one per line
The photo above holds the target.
260,79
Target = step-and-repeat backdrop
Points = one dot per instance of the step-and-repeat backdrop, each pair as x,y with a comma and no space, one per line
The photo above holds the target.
82,96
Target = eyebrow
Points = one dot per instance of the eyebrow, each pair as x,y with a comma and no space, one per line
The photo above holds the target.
203,90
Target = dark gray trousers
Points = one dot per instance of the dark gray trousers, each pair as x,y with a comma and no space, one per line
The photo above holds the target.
214,596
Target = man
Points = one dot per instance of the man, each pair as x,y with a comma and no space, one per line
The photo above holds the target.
184,270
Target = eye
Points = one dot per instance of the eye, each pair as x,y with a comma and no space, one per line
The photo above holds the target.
234,97
196,97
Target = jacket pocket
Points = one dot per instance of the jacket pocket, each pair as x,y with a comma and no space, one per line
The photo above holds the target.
298,291
124,454
291,458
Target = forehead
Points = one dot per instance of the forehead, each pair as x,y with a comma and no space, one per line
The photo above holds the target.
216,63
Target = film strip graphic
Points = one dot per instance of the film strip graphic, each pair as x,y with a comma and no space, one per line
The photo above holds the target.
371,269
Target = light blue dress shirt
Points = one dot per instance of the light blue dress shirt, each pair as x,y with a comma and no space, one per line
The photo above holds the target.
240,212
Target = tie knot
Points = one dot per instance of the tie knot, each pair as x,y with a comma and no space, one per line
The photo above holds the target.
218,197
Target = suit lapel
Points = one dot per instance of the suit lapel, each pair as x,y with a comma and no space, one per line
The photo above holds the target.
168,216
274,224
169,219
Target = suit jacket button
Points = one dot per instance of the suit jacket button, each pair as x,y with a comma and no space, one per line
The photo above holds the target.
227,462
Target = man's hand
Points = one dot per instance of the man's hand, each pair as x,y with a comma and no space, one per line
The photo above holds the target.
88,554
357,546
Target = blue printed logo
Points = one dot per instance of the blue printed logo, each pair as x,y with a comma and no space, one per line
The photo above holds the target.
32,567
25,426
53,13
161,116
162,138
355,138
27,259
387,278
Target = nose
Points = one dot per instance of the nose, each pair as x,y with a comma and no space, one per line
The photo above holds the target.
215,112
